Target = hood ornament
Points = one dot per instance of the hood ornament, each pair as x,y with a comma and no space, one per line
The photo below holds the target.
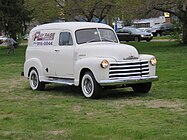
130,58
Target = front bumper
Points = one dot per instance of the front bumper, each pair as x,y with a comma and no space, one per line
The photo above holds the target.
125,81
147,38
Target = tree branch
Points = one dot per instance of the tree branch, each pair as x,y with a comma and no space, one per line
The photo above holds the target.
167,10
62,6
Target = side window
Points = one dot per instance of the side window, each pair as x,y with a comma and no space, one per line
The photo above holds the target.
65,39
120,31
126,31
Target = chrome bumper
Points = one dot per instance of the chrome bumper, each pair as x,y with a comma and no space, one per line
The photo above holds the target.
125,81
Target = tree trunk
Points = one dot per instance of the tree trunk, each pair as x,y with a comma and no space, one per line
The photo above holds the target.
184,31
184,38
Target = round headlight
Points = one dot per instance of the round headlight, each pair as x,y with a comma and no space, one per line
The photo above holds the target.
153,61
104,64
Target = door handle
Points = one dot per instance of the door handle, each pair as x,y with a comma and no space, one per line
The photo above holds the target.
57,50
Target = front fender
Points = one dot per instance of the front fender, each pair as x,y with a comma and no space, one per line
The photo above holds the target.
93,64
152,69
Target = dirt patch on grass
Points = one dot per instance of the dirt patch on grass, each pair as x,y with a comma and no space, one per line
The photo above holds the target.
12,65
89,114
6,115
177,106
11,84
163,104
57,132
77,108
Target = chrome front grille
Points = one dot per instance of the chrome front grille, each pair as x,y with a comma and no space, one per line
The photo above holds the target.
128,69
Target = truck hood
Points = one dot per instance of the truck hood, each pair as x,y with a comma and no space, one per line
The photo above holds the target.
119,52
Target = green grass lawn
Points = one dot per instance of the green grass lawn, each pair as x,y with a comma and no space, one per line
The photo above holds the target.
61,112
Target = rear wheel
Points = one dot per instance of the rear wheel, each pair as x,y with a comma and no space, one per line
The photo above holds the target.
142,88
158,34
136,39
35,84
90,87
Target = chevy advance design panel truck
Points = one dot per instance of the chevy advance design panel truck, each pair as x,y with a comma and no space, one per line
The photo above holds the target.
88,55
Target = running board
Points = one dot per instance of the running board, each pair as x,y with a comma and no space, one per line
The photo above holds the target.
59,81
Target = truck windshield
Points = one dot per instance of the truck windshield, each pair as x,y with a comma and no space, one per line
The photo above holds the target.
95,35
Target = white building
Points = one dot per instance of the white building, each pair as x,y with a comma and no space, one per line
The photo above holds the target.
145,23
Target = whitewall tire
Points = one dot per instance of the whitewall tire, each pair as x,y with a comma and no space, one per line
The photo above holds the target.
90,87
35,84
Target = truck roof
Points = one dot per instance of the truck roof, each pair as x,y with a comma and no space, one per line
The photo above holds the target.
70,25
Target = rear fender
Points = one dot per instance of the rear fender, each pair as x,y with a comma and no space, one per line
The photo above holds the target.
33,63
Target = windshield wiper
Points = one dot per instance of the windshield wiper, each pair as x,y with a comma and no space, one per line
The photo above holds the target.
93,40
105,39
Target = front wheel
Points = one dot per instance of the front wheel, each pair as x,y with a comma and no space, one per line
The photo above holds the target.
90,87
142,88
35,84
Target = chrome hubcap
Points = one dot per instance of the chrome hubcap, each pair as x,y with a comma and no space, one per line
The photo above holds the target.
87,86
34,80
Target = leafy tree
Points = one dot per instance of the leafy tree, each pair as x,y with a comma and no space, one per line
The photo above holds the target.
129,9
86,10
177,8
44,11
14,16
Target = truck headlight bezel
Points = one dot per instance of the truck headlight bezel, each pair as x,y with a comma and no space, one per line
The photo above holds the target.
153,61
104,64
